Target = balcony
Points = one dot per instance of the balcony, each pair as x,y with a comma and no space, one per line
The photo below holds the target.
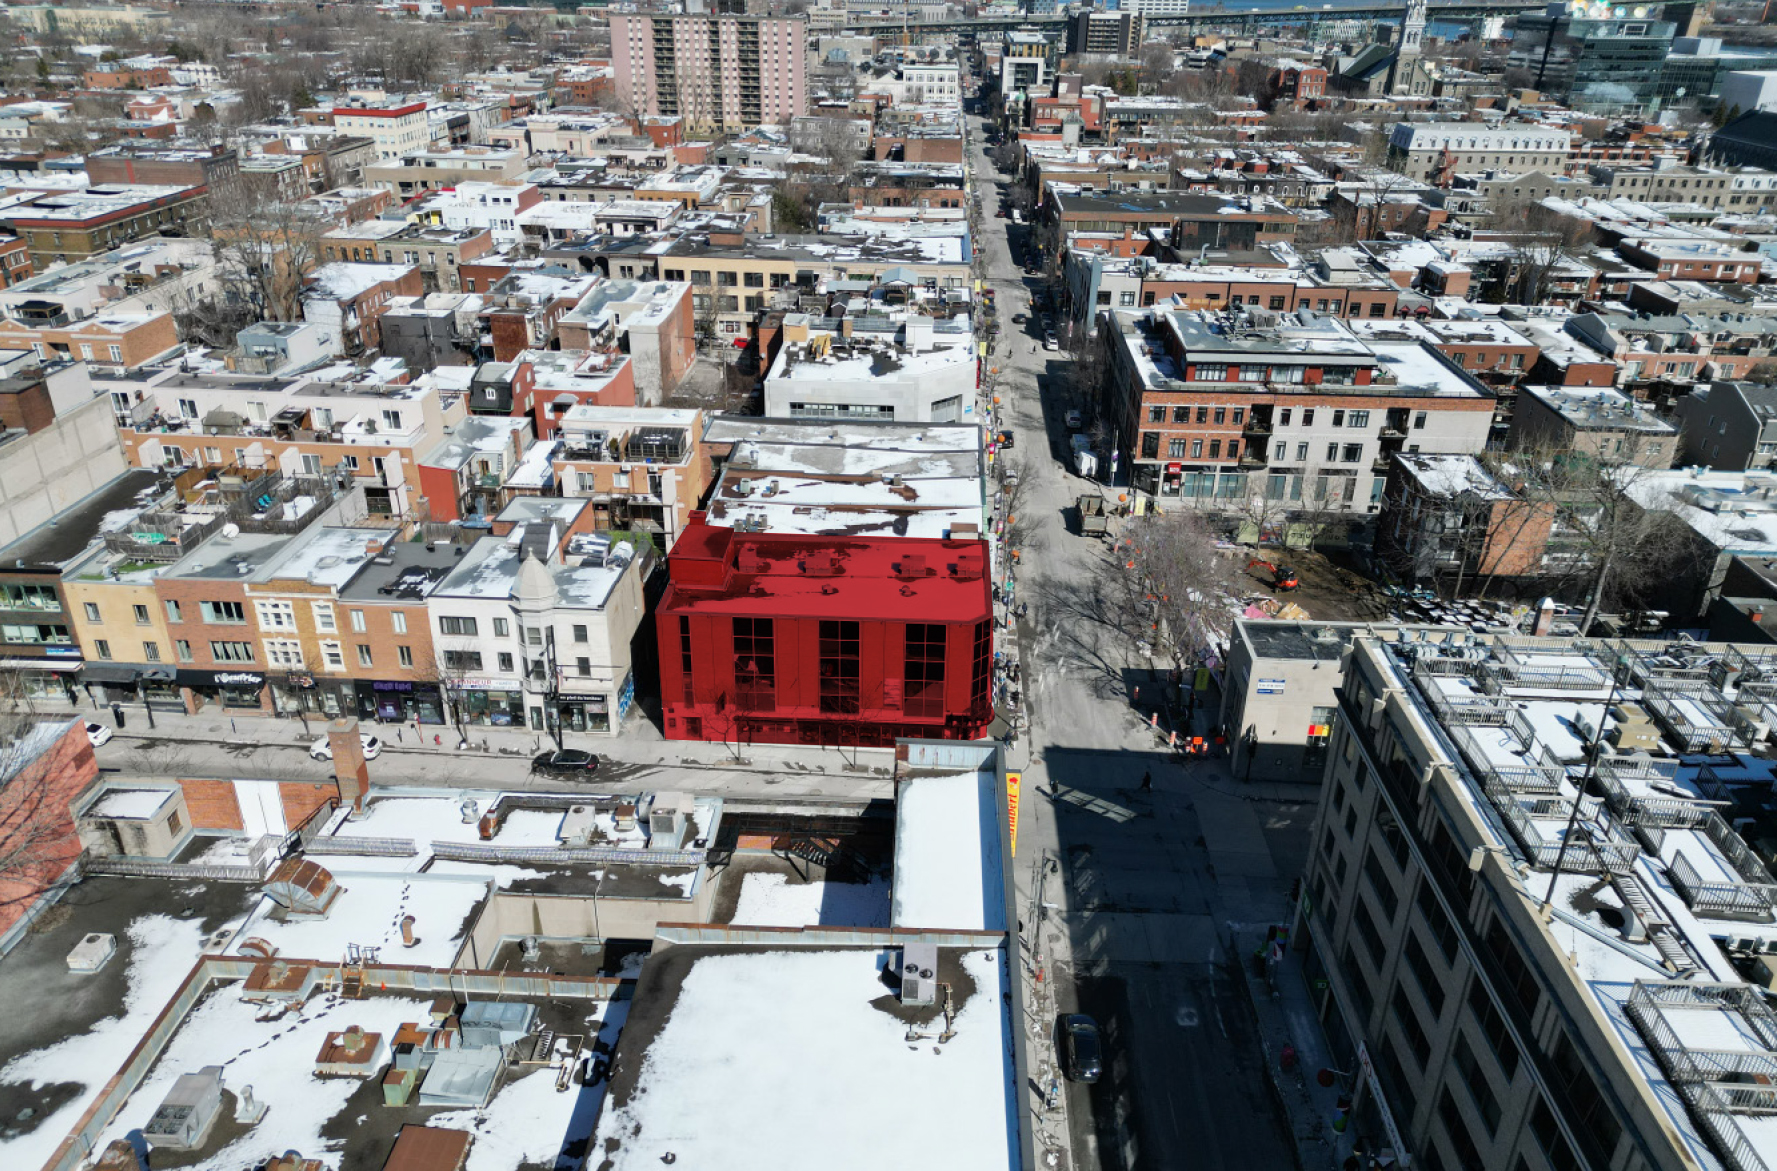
1257,427
1253,457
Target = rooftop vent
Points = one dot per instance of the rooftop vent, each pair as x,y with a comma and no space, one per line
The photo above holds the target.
919,974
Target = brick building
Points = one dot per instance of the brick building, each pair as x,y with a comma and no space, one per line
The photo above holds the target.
819,640
72,225
41,775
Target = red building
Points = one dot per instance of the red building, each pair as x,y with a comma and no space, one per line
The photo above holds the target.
824,640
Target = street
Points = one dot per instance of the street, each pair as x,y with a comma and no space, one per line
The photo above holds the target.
1148,886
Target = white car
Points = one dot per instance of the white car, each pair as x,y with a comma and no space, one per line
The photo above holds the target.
98,734
322,750
1073,420
1051,342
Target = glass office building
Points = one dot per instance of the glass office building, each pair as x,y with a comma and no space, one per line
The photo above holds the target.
1605,59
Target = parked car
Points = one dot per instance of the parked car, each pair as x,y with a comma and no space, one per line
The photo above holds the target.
98,734
322,750
1018,319
1050,342
1082,1059
1074,421
565,763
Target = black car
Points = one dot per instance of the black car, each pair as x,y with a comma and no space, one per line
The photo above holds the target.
1077,1035
567,763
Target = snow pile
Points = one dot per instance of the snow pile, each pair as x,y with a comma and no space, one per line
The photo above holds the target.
707,1077
948,873
772,900
276,1058
161,952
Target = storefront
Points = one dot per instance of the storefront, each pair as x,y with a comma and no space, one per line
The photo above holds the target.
109,683
394,701
487,706
241,692
596,713
51,677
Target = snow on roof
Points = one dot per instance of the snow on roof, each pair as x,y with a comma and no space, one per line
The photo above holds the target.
344,280
1449,475
713,1073
949,871
368,912
130,804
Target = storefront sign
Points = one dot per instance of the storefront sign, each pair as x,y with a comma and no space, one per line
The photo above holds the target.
62,652
390,685
1270,687
220,679
1013,780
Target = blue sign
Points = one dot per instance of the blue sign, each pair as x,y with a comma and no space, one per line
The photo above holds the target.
1270,687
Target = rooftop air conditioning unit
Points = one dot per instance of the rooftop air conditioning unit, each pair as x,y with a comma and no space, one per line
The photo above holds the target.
919,974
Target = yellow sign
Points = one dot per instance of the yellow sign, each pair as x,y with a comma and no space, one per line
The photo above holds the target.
1012,780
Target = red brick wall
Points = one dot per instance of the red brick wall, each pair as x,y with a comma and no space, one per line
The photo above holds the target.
302,799
212,804
37,822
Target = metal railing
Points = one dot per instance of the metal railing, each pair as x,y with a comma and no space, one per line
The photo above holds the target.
564,856
363,847
144,868
1698,1073
1719,898
1713,738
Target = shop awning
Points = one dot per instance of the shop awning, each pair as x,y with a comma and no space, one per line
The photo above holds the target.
40,664
109,673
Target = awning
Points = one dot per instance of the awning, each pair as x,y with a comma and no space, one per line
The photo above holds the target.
41,664
109,673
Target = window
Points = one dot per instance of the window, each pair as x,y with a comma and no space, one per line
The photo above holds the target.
580,634
1308,417
1358,419
1407,1017
1221,416
173,611
462,660
464,627
1283,417
1493,1029
101,648
1382,884
1360,984
1196,449
1520,983
1462,1144
1422,971
1338,418
1175,449
533,635
232,652
923,694
1398,1086
839,667
1275,303
755,663
755,280
398,621
1332,452
1547,1133
1366,931
151,652
324,622
1252,373
505,661
1486,1104
276,615
1419,421
1443,932
1301,453
700,276
1181,414
1280,451
1351,453
92,611
283,652
116,353
1156,414
502,628
1586,1111
182,649
357,620
224,613
364,655
1203,416
1211,374
1239,415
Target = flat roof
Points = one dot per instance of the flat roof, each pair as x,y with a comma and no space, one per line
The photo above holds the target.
692,1079
64,537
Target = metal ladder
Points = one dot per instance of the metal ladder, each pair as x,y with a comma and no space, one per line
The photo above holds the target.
1659,929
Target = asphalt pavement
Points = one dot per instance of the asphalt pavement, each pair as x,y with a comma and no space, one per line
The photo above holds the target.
1149,886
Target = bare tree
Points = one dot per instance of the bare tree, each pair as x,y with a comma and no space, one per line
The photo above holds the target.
1178,580
264,245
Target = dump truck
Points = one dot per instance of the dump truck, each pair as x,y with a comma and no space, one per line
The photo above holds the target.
1094,520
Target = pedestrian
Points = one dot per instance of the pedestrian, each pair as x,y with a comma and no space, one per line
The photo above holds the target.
117,714
1147,780
398,737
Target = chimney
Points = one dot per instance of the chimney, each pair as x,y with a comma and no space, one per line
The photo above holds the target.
1545,616
351,775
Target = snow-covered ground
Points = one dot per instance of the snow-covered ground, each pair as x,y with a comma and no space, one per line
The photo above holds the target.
774,900
369,913
707,1078
161,952
440,819
276,1058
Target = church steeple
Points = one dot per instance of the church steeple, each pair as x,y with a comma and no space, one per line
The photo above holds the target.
1406,54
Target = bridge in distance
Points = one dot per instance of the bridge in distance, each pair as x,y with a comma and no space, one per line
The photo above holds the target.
1457,12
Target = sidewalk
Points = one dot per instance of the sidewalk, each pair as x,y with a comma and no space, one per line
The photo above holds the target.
639,744
1286,1018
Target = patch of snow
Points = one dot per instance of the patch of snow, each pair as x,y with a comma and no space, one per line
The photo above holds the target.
689,1100
682,881
947,854
161,952
772,900
368,912
276,1058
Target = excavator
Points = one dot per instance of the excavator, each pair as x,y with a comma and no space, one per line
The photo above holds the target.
1282,576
